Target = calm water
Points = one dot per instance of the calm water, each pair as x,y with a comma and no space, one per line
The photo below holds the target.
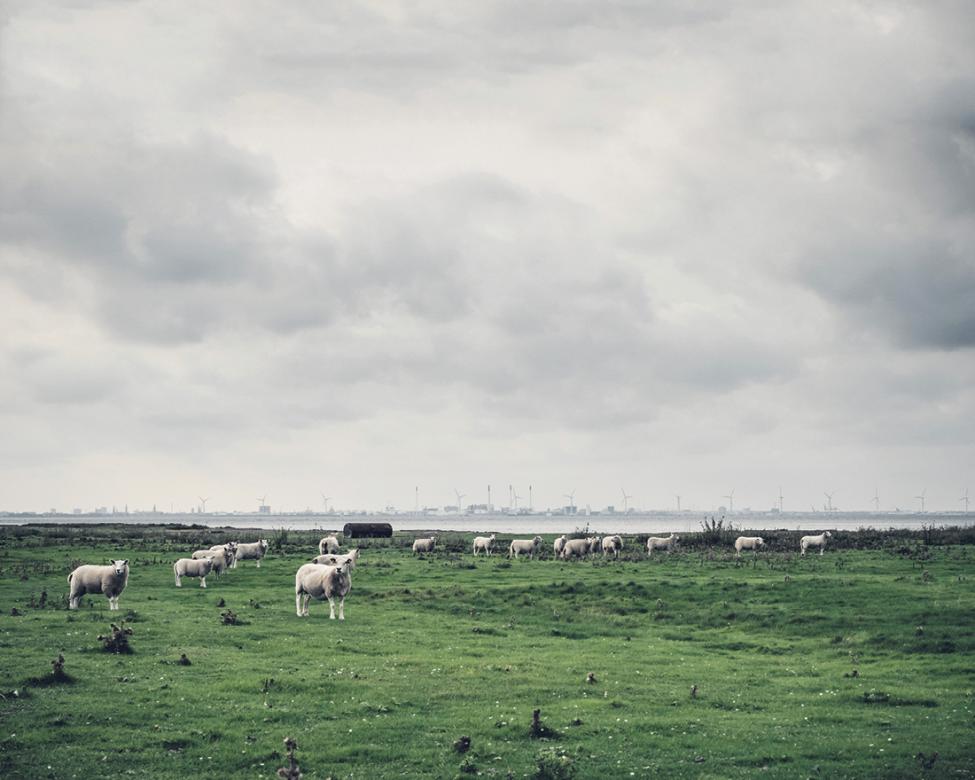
655,523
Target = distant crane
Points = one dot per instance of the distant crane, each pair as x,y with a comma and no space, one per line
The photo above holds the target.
460,498
203,501
829,501
626,501
876,500
921,499
572,500
731,501
965,499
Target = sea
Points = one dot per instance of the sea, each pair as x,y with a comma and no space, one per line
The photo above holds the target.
630,523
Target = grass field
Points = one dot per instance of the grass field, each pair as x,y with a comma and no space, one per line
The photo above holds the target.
846,665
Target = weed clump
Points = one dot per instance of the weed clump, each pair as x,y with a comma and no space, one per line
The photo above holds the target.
552,764
117,641
292,771
538,729
229,618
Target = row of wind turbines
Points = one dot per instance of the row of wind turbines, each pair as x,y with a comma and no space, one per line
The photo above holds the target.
514,498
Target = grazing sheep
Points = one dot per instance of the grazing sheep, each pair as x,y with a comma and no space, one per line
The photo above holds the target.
330,559
748,543
483,544
815,541
255,551
667,543
424,545
595,545
322,582
527,546
193,567
558,544
110,580
576,548
612,544
221,558
329,544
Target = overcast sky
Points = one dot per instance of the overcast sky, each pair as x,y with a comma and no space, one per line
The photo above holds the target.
677,248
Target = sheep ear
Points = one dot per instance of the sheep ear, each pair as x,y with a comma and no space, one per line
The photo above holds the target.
125,562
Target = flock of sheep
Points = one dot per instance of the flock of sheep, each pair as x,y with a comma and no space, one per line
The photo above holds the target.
565,548
329,575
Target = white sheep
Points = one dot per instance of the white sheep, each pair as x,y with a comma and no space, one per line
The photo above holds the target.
524,546
558,545
667,543
331,559
329,544
253,551
612,544
483,544
221,558
595,545
815,541
748,543
322,582
576,548
424,545
193,567
110,580
231,548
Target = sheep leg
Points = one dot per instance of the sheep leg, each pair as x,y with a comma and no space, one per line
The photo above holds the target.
307,602
177,582
331,607
298,604
258,563
73,603
203,582
822,550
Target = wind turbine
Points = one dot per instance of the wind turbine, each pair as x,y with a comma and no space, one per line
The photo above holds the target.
965,499
489,499
626,501
731,501
516,497
571,496
921,498
876,500
781,498
460,497
678,504
829,501
531,500
325,500
416,500
262,501
204,502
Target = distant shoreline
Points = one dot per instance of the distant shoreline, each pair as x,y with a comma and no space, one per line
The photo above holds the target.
631,523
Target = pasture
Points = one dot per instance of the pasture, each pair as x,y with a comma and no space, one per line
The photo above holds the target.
858,663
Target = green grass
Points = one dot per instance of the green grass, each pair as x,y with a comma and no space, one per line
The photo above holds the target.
435,648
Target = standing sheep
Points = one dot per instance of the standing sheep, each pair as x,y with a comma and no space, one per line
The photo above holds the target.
329,559
748,543
815,541
527,546
110,580
255,551
612,544
221,558
667,543
193,567
483,544
322,582
424,545
576,548
329,544
558,545
231,550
